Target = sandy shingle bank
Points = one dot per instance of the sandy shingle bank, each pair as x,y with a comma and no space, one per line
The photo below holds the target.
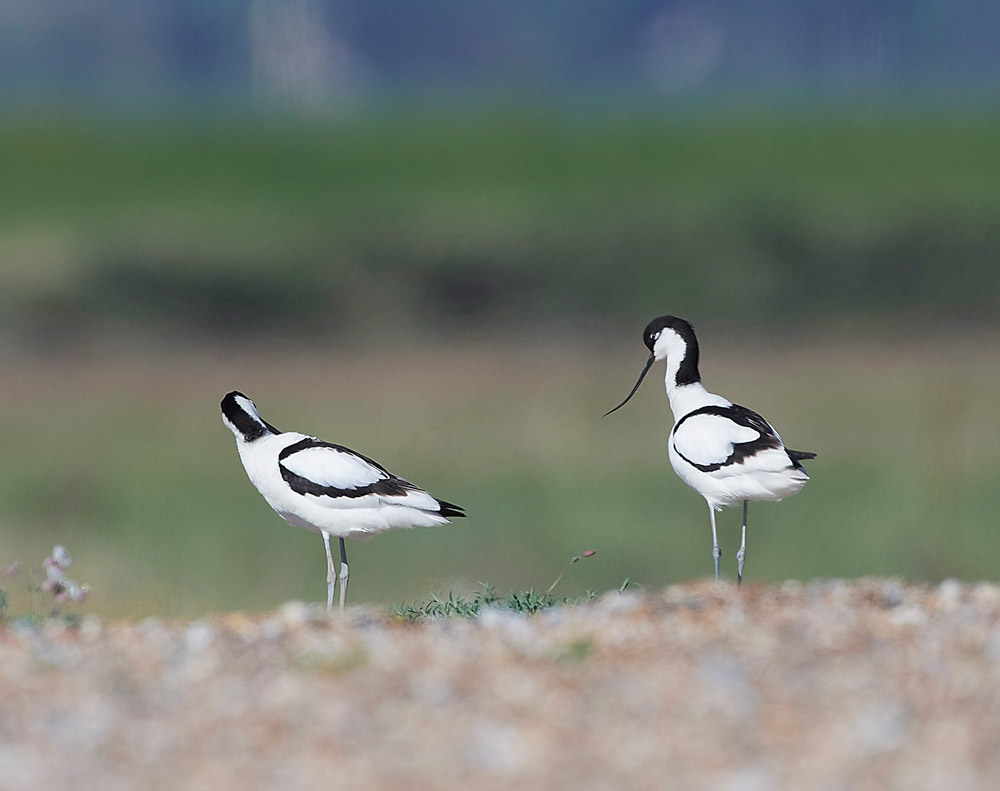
825,685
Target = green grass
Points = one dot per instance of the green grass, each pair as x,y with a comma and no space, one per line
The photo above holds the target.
126,461
526,602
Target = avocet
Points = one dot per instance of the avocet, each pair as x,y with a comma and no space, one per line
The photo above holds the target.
725,452
327,488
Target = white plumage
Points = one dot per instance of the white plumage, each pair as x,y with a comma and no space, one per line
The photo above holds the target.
725,452
709,438
327,488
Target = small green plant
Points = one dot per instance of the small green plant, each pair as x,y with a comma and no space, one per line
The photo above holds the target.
528,602
11,571
49,586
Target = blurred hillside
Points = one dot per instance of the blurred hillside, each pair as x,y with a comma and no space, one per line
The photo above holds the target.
462,223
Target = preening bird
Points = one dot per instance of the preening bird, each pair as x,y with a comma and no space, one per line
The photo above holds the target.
725,452
327,488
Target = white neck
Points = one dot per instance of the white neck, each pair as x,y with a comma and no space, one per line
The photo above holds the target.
675,356
687,398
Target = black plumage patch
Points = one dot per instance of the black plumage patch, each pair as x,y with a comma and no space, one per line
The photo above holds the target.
249,427
450,509
741,416
384,486
799,456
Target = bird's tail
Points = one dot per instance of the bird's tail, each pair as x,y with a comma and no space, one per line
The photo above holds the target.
798,456
450,509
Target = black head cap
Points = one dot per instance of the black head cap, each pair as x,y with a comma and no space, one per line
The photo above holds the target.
687,373
241,415
681,326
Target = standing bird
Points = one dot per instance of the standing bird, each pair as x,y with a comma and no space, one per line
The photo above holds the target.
327,488
725,452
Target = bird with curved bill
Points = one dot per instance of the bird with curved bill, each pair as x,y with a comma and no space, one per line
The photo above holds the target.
327,488
727,453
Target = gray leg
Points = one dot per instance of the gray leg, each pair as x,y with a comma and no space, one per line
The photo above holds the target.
742,554
331,573
716,551
345,573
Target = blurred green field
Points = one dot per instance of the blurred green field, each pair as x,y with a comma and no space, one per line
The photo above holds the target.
425,222
125,460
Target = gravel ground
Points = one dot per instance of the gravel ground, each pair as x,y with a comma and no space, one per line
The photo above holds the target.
870,684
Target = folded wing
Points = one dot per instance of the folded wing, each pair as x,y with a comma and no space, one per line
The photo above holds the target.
341,478
724,439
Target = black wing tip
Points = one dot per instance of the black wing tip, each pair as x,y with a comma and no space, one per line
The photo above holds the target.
799,456
450,509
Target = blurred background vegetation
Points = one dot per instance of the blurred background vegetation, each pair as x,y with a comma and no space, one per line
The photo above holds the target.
435,235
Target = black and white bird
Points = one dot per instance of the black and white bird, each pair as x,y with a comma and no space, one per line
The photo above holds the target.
725,452
327,488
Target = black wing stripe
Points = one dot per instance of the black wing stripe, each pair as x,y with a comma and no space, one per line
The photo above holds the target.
301,485
312,442
741,416
386,487
391,486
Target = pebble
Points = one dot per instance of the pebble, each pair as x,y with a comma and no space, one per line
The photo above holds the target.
819,684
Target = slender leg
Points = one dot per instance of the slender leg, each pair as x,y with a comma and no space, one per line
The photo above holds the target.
716,551
742,554
344,574
331,574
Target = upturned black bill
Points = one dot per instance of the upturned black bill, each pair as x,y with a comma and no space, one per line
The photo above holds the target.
649,362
